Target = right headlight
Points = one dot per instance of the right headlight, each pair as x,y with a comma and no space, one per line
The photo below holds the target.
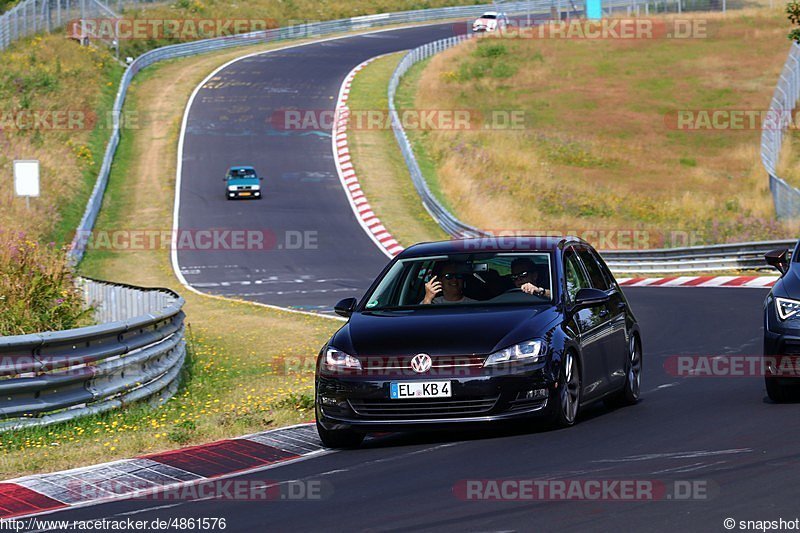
337,359
232,188
528,351
787,308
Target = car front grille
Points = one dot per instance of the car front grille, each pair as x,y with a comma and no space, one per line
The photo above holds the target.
403,363
416,409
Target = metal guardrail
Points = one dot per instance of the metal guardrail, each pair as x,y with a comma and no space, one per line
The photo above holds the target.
738,256
137,353
778,119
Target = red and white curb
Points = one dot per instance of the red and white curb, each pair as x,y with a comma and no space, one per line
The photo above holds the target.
757,282
138,477
347,174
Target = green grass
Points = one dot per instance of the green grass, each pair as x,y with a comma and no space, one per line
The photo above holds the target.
597,149
379,163
71,209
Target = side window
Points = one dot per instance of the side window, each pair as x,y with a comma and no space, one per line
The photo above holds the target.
573,273
604,269
592,265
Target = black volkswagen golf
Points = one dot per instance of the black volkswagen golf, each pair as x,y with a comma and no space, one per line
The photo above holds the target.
478,330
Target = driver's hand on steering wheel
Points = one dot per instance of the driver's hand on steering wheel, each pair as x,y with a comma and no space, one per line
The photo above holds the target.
530,288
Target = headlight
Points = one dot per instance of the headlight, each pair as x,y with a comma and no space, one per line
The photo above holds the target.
337,359
787,308
256,187
232,187
529,351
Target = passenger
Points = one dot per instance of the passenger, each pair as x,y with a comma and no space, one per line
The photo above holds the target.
451,287
525,277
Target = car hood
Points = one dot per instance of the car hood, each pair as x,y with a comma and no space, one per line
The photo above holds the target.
473,331
243,181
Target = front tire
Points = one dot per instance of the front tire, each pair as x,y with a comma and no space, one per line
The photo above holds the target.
780,393
629,394
339,438
568,393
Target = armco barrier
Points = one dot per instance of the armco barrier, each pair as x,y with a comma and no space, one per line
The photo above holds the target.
716,257
136,353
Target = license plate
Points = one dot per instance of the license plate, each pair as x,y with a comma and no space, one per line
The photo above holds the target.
399,390
244,194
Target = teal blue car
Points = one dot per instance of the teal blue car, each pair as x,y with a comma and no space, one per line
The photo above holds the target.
242,182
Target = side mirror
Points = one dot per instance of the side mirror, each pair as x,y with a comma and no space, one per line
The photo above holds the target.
589,298
778,259
261,179
345,307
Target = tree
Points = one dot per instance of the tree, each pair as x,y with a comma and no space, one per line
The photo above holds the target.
793,11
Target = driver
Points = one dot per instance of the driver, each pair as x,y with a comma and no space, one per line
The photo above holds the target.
450,289
525,277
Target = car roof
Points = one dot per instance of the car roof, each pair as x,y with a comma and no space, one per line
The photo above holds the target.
489,244
495,13
241,167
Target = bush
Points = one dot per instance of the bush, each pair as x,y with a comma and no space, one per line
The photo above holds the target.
37,291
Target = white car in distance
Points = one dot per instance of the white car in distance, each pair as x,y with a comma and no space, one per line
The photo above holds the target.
489,22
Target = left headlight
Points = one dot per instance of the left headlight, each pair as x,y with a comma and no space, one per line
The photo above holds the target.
528,351
338,359
787,308
232,188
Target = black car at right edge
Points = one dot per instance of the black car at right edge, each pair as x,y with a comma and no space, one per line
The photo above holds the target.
782,327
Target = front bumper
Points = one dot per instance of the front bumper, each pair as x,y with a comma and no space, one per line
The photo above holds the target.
781,338
243,194
364,403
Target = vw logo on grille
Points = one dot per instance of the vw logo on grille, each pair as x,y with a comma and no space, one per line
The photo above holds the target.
421,363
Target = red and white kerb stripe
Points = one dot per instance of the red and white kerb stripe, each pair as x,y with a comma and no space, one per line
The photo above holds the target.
347,174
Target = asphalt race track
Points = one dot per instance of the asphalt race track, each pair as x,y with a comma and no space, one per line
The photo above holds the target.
720,432
319,254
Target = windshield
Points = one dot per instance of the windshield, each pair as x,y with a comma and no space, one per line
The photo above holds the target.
465,279
489,16
236,173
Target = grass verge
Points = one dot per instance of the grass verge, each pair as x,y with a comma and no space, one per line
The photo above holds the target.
597,150
379,164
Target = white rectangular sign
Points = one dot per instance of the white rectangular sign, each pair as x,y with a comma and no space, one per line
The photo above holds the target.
26,178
